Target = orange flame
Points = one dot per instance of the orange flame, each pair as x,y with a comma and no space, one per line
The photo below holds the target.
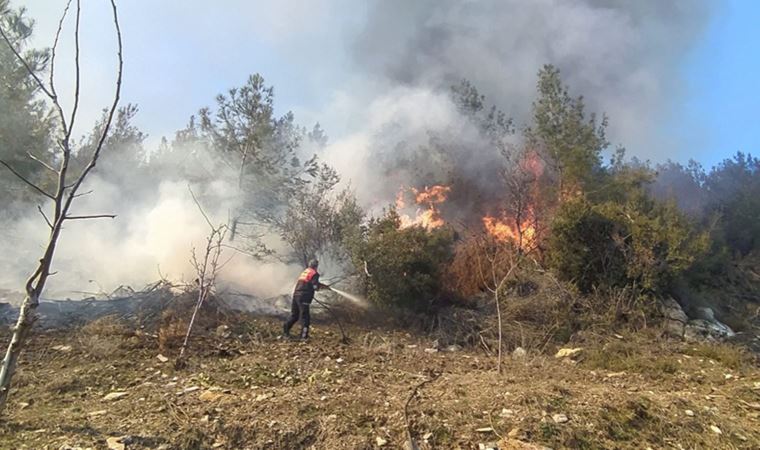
434,195
506,229
430,217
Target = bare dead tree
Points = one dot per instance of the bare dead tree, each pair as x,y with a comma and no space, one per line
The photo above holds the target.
497,255
523,206
67,186
206,269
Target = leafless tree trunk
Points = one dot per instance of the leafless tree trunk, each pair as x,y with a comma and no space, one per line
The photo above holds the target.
206,270
494,281
67,187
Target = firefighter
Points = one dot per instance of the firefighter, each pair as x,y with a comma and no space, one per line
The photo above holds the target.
308,283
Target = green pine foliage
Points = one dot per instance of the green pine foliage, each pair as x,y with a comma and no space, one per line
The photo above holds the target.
405,265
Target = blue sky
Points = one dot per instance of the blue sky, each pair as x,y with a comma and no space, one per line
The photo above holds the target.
179,55
720,114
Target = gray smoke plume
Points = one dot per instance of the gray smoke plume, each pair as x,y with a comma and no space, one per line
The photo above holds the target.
623,57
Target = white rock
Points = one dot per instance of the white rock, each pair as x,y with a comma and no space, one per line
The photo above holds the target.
431,350
689,413
115,396
262,397
560,418
115,443
715,429
380,441
568,352
162,358
488,446
519,353
506,413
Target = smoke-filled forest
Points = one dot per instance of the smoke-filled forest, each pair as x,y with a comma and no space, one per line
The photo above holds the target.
496,247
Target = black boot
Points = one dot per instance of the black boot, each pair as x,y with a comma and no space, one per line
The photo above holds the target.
286,332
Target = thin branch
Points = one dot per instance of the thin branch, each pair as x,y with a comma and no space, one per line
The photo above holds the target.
21,59
344,337
410,439
200,208
83,194
39,208
77,72
42,163
22,178
52,68
94,216
111,112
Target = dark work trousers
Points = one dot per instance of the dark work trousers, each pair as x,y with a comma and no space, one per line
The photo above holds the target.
299,310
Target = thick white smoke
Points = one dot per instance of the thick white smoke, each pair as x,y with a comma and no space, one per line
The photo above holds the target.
152,237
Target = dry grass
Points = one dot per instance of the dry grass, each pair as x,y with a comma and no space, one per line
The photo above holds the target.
728,355
288,395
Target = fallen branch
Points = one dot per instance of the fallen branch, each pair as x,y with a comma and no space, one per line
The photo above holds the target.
344,337
411,444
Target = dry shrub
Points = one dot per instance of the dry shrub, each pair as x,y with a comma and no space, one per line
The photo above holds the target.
729,355
104,336
106,326
636,355
175,319
535,309
460,326
476,259
101,346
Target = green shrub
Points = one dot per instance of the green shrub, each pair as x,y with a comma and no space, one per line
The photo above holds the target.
611,244
406,264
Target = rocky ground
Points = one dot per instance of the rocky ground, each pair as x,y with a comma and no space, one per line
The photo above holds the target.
102,387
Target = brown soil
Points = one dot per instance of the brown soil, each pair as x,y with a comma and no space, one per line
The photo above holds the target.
252,390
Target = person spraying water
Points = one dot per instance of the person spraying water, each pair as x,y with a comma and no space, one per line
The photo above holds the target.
303,294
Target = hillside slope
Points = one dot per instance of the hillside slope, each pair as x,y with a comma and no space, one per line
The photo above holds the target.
252,390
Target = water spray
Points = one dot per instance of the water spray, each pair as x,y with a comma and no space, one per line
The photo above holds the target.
351,297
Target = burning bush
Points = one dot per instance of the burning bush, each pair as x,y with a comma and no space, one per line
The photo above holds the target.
610,244
405,266
477,260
